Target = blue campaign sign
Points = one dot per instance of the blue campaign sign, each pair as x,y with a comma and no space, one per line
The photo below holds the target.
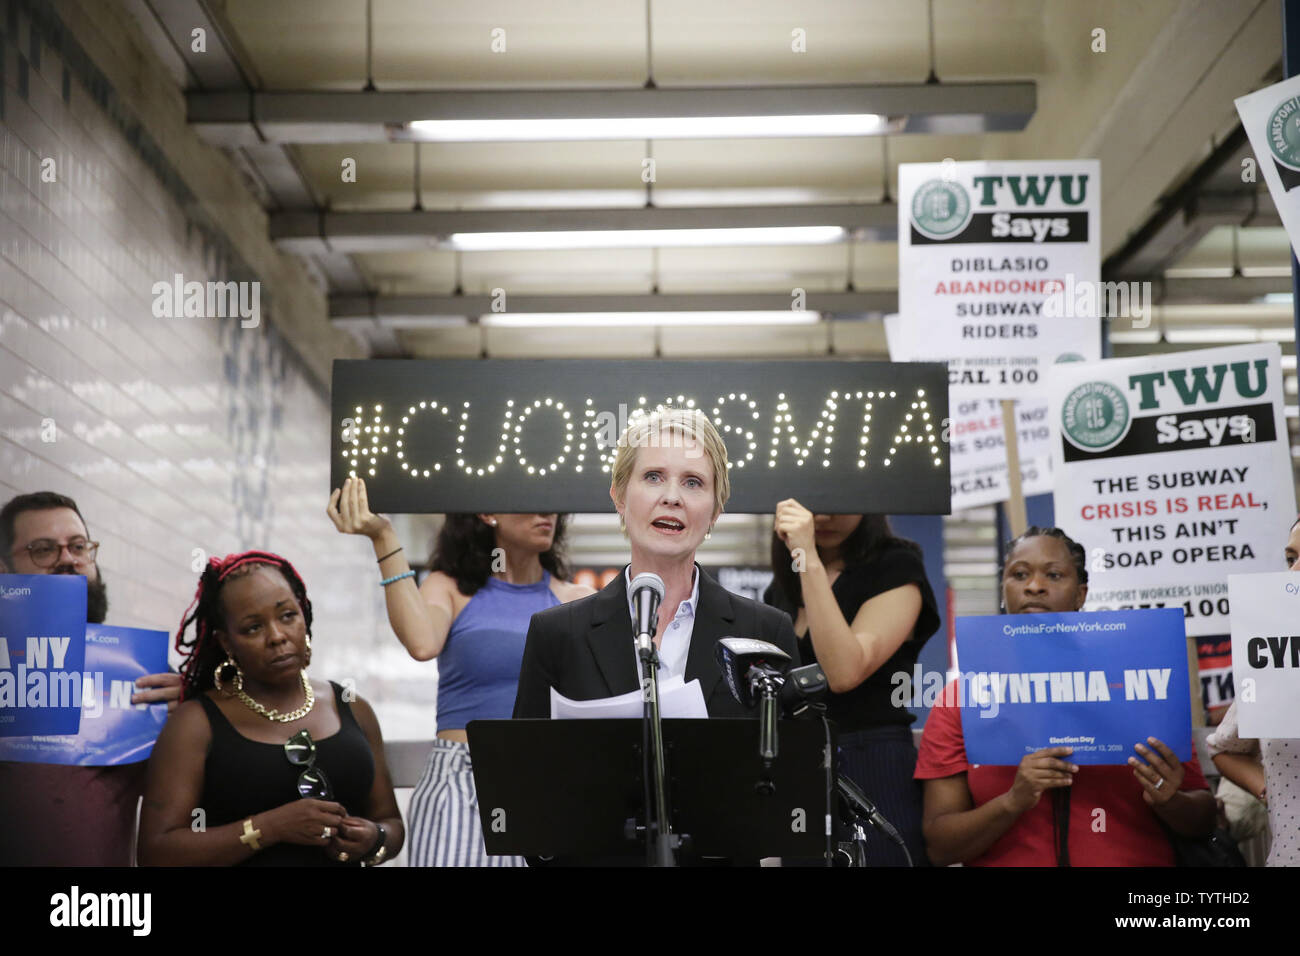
42,653
1098,681
113,730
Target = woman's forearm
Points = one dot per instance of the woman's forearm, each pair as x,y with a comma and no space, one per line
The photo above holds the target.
847,657
962,836
395,836
421,628
1188,812
839,652
1244,770
220,846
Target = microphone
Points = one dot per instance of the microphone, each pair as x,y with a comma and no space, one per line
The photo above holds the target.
755,672
748,665
647,595
861,804
803,689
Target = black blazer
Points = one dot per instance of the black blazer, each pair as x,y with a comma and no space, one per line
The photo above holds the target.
584,649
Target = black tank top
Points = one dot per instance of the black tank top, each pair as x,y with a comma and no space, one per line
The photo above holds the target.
242,778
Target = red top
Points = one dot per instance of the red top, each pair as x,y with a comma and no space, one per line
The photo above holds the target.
1110,823
56,815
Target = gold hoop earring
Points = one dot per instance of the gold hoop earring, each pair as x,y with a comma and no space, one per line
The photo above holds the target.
308,661
239,677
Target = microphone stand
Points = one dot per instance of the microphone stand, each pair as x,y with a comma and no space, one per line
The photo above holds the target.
660,842
864,811
766,685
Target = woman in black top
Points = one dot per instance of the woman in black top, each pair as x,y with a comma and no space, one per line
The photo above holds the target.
862,608
259,765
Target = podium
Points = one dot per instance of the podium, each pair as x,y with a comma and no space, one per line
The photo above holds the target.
575,789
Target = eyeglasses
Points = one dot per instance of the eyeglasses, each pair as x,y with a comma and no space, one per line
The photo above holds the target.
45,552
300,750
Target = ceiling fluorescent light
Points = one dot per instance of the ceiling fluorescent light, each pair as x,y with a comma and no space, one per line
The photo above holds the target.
1266,272
652,127
1199,272
542,320
1211,336
1135,337
638,238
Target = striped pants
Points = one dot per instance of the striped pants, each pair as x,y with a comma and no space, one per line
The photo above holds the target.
444,821
881,761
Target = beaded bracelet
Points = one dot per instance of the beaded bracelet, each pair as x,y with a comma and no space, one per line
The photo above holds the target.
396,577
378,851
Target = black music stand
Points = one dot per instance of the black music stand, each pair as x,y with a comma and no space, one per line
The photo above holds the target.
568,788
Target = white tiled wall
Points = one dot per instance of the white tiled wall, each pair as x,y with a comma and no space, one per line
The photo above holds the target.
174,435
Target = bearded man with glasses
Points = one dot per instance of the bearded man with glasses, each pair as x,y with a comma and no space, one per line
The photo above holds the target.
55,815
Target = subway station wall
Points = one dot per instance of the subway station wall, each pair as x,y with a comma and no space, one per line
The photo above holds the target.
180,438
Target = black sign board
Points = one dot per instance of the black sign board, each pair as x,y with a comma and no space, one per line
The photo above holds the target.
540,435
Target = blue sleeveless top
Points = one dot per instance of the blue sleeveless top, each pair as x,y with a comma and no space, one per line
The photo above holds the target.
478,669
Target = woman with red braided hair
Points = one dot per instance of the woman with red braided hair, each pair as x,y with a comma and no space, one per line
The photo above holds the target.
259,765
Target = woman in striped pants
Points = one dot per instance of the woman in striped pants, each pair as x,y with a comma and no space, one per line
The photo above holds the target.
489,574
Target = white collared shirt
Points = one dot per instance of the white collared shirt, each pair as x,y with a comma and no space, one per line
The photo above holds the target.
675,642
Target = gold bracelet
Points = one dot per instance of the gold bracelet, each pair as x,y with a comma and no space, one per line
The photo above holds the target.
251,835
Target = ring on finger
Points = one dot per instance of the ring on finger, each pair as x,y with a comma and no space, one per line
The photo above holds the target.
343,857
326,834
1160,783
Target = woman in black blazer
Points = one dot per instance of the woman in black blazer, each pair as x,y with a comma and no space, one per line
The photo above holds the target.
669,484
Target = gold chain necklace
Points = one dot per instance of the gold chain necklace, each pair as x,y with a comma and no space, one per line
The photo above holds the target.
308,703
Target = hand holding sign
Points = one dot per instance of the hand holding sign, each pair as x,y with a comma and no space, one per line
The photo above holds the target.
168,689
349,509
794,526
1161,777
1039,771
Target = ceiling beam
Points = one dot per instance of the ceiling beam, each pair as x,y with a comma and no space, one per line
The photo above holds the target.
1226,289
1251,209
170,24
311,233
1186,215
240,117
425,311
362,312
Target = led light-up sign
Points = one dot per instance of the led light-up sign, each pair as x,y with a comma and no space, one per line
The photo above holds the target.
541,435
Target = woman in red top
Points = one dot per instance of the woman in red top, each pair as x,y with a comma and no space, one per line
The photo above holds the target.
1048,811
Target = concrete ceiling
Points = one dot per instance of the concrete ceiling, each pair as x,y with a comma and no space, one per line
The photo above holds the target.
1155,108
1152,107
